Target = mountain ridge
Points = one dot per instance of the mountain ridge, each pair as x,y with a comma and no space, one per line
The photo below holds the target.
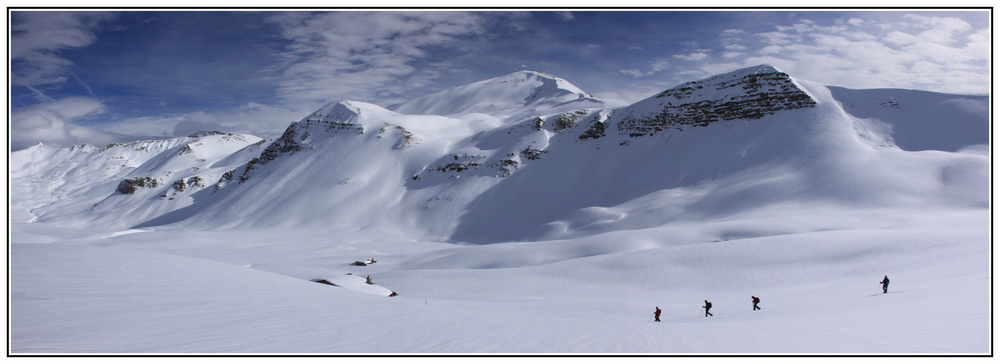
553,162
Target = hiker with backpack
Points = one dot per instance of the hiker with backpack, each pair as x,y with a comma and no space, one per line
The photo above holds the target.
657,314
755,302
707,306
885,284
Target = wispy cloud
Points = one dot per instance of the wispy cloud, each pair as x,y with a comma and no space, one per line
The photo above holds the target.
36,63
364,55
564,15
36,38
632,72
696,56
936,53
51,123
250,118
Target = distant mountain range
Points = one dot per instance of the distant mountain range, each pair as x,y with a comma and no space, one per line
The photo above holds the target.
529,156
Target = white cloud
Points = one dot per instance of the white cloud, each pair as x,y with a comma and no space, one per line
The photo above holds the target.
658,65
564,15
251,118
52,123
922,52
696,56
731,55
37,36
779,38
632,72
362,55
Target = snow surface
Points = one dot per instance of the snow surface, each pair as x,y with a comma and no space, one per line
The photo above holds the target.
504,227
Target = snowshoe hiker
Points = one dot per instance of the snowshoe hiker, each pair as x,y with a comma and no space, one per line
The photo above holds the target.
885,284
657,314
755,302
707,306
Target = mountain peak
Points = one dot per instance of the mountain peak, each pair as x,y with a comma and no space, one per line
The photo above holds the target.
747,93
515,95
204,133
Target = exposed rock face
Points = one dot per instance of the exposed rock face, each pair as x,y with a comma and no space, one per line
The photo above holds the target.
744,94
194,183
407,138
205,133
248,172
286,144
224,180
597,130
333,118
567,120
131,185
532,153
504,167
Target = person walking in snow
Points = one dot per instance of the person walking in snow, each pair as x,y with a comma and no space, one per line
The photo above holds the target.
755,302
707,306
657,314
885,284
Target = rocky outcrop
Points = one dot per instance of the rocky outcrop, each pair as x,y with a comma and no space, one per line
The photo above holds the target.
131,185
597,130
567,120
333,118
700,103
504,167
224,180
203,133
193,183
407,139
532,153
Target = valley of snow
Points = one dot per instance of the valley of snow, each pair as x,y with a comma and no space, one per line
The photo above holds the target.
523,215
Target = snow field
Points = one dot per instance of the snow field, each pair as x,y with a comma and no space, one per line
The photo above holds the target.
145,293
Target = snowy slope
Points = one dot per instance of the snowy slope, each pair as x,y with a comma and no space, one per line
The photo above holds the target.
249,291
644,172
122,184
916,120
520,214
511,97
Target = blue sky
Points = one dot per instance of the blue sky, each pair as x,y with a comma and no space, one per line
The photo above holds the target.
97,77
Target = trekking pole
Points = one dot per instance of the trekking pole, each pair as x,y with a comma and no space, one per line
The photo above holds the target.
651,317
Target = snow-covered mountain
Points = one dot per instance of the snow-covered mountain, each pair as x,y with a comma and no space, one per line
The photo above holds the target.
124,184
510,97
521,214
529,156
